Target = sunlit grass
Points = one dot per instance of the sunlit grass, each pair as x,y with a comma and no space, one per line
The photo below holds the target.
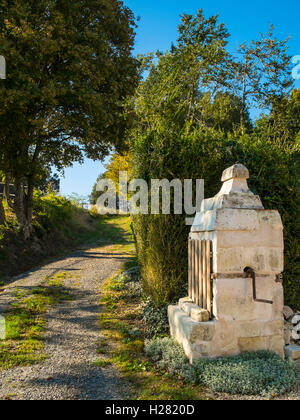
26,322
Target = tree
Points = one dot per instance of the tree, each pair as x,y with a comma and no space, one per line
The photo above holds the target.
70,69
283,122
264,73
118,162
171,95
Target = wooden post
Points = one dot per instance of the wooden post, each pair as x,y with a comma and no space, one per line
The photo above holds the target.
200,274
197,279
190,268
208,276
204,274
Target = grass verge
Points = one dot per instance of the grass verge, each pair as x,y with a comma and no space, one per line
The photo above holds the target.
123,346
25,322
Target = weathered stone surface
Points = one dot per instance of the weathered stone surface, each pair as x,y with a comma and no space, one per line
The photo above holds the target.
185,300
287,312
293,352
200,315
195,337
236,219
233,299
264,260
236,171
260,329
252,343
276,344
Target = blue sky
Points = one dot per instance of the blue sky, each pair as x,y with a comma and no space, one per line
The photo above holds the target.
158,28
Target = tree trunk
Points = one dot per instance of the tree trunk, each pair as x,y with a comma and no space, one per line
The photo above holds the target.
243,110
29,207
7,190
20,201
2,213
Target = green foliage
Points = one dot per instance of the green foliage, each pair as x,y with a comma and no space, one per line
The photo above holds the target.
260,373
264,71
169,355
70,72
162,239
283,123
155,319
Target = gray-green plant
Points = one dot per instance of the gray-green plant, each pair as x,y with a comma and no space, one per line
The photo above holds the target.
154,318
259,373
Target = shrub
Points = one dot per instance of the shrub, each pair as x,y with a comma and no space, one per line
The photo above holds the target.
155,319
169,355
259,373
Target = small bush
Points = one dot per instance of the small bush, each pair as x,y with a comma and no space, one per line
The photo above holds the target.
155,319
129,282
169,355
259,373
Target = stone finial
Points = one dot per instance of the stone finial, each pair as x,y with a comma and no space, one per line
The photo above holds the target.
236,171
235,180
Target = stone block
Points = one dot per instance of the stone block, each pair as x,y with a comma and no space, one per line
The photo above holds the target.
263,237
236,220
195,337
184,300
203,331
200,315
249,344
276,344
249,329
262,259
293,352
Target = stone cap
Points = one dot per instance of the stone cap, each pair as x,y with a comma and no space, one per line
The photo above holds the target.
234,195
236,171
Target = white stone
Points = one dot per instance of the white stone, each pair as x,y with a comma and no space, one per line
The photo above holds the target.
236,171
295,335
296,320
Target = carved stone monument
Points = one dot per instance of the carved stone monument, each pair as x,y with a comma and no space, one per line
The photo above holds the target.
235,301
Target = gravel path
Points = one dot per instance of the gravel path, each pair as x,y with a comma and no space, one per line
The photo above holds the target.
72,335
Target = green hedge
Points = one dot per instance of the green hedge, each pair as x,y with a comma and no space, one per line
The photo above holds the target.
162,240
